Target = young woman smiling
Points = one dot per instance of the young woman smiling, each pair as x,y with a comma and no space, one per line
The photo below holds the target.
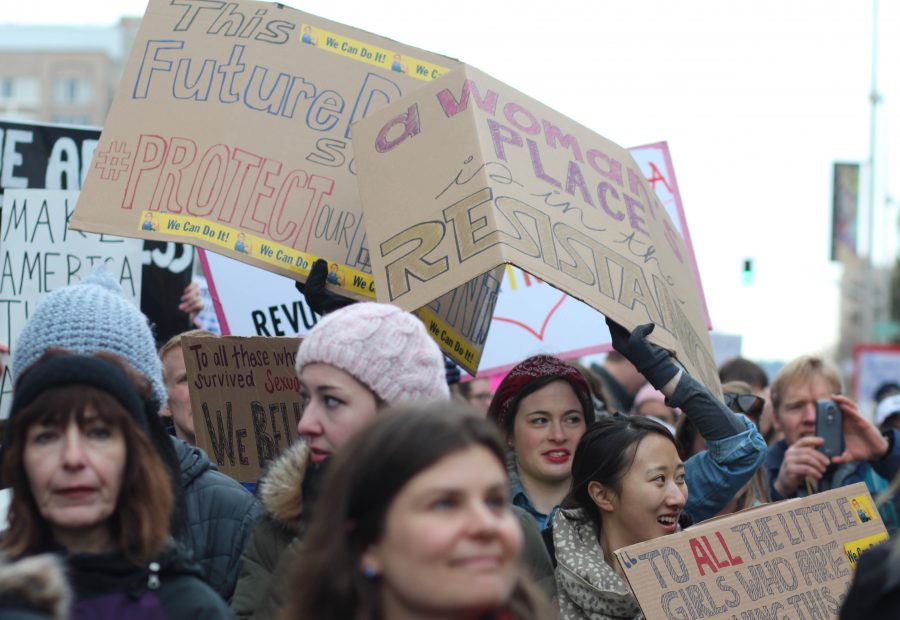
417,524
630,485
543,407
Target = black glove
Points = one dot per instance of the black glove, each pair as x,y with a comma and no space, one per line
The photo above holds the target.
652,361
319,299
451,370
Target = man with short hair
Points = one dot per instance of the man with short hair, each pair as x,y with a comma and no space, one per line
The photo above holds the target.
794,464
178,404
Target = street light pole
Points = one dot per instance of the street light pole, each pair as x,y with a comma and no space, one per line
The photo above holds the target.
872,309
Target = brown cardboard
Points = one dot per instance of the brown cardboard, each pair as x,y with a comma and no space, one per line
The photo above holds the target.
245,399
789,559
467,174
230,131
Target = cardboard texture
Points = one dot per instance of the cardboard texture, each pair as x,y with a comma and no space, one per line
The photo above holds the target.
789,559
230,131
466,175
39,255
245,399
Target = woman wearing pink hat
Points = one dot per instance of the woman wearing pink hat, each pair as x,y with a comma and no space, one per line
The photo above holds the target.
353,362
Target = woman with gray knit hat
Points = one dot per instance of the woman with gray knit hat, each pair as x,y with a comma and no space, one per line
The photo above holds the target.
354,361
213,514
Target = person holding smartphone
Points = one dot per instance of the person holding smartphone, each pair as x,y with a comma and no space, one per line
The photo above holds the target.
798,465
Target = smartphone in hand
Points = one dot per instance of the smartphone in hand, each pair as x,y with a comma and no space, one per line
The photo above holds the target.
829,426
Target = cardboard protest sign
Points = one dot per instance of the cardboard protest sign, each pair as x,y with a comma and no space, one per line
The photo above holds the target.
230,131
39,254
789,559
251,302
533,317
655,161
466,175
245,399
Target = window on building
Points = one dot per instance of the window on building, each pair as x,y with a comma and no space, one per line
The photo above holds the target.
19,91
72,91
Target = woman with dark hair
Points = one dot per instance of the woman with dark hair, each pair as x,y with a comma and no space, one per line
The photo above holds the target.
416,523
87,483
630,484
628,487
352,363
542,406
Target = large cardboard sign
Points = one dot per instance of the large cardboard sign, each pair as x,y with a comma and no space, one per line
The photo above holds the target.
230,131
39,254
466,175
245,399
789,559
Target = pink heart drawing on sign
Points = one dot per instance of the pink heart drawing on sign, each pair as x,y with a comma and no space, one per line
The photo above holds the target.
528,328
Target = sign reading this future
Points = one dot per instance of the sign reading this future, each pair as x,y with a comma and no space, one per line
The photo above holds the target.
230,131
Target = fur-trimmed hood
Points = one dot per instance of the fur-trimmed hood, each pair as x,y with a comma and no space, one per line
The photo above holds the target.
37,583
281,488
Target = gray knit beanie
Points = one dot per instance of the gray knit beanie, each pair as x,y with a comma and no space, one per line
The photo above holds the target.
93,315
381,346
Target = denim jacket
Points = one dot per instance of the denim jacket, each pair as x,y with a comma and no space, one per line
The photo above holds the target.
520,497
713,476
716,475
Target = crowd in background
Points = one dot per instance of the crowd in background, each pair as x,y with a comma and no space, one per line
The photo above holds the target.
409,494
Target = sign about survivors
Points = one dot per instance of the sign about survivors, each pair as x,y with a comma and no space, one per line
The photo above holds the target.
40,254
230,130
789,559
466,175
245,399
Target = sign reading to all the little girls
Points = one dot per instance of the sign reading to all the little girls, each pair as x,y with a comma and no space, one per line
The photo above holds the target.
245,399
466,175
39,254
230,131
789,559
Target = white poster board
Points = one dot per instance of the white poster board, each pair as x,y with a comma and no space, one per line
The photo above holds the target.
40,254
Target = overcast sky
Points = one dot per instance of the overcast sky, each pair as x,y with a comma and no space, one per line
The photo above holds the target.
756,99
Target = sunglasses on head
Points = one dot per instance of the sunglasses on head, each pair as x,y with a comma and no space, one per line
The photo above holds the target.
747,404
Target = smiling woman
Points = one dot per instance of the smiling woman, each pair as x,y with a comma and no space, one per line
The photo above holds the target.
86,481
543,407
417,525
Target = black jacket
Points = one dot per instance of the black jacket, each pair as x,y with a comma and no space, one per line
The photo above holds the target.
220,515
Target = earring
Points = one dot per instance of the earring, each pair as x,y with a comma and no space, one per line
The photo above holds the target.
368,572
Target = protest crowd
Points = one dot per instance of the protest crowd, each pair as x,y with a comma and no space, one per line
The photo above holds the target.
402,498
153,468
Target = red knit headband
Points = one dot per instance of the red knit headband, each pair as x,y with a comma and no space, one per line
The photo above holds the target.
527,371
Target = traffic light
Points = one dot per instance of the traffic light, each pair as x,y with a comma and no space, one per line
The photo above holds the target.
747,273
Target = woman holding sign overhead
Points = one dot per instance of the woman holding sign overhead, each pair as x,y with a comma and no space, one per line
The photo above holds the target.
630,485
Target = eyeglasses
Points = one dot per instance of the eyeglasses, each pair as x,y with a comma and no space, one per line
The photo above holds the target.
745,403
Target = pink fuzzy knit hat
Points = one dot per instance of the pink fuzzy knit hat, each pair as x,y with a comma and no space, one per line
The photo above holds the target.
383,347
